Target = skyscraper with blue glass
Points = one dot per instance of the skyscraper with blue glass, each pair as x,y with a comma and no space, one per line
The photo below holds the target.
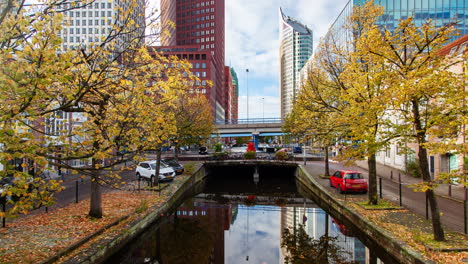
441,12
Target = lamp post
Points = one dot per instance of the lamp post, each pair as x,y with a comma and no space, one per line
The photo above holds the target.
247,72
263,108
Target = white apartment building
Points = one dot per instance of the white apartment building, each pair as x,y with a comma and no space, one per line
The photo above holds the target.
295,50
91,23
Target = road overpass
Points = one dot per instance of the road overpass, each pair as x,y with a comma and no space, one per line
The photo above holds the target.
249,127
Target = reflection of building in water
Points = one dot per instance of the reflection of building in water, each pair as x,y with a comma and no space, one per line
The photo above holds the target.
219,217
318,223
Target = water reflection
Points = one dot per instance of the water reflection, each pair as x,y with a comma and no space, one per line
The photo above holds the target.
226,229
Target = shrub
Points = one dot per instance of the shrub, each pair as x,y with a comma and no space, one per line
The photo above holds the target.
218,147
281,155
412,167
250,155
189,168
220,156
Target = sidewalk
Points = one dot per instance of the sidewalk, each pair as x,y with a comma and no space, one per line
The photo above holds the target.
456,192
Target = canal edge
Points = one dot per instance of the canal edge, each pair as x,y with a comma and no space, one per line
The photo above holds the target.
397,248
110,246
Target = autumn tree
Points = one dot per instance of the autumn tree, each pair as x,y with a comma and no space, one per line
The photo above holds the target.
425,94
115,89
31,70
194,121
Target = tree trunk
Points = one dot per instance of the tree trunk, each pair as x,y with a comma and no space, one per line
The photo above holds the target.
158,164
372,164
176,151
327,164
424,166
96,196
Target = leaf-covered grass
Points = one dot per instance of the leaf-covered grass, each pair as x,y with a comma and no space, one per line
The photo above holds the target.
416,232
34,238
381,205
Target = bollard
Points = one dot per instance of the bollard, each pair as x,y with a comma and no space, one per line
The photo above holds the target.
391,175
450,190
76,192
380,187
401,202
464,211
47,209
399,177
4,218
139,180
427,207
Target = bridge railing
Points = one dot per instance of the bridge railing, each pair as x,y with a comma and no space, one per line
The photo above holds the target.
249,121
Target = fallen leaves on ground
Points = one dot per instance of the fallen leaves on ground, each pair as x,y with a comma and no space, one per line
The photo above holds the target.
409,228
34,238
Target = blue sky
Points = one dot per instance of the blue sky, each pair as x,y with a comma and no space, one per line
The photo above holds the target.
252,42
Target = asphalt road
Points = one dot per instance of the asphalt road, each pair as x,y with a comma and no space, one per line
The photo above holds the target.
451,210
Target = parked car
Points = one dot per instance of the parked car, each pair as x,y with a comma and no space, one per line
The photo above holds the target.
147,170
239,148
176,166
347,180
297,150
9,181
202,151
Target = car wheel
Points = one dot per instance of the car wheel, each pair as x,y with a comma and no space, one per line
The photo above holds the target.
331,185
339,189
152,179
138,176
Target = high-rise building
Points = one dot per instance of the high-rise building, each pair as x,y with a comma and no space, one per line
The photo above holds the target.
93,22
199,23
295,50
441,12
235,96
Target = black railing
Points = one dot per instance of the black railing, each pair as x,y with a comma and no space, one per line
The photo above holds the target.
249,121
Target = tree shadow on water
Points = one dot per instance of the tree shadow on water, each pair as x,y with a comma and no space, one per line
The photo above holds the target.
302,249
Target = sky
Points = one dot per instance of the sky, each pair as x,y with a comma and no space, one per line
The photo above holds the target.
252,42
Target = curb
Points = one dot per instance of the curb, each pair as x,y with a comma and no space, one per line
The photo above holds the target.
437,194
395,247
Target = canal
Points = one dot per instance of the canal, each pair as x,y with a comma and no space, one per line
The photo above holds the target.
250,215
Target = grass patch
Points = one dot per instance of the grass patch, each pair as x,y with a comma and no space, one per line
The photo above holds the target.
381,205
143,206
454,241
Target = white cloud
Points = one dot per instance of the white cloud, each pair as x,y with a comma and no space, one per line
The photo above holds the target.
252,41
259,106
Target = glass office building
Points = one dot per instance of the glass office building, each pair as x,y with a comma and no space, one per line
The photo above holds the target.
295,49
442,12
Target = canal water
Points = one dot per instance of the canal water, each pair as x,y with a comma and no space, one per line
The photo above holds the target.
263,221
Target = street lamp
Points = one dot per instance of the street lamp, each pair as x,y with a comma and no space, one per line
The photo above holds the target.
247,72
263,106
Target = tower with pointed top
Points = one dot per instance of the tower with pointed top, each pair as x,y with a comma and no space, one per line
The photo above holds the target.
295,49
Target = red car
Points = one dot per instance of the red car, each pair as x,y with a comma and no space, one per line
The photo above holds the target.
346,180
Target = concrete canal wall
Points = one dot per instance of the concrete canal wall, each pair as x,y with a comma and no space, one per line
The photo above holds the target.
109,247
307,185
398,249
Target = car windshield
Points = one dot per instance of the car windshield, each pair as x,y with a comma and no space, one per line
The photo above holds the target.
153,165
171,162
353,176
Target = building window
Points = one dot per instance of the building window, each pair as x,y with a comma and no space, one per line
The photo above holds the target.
197,65
90,22
203,74
203,65
83,22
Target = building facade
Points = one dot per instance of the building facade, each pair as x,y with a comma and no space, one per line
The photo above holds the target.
295,49
91,23
199,23
441,12
235,96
